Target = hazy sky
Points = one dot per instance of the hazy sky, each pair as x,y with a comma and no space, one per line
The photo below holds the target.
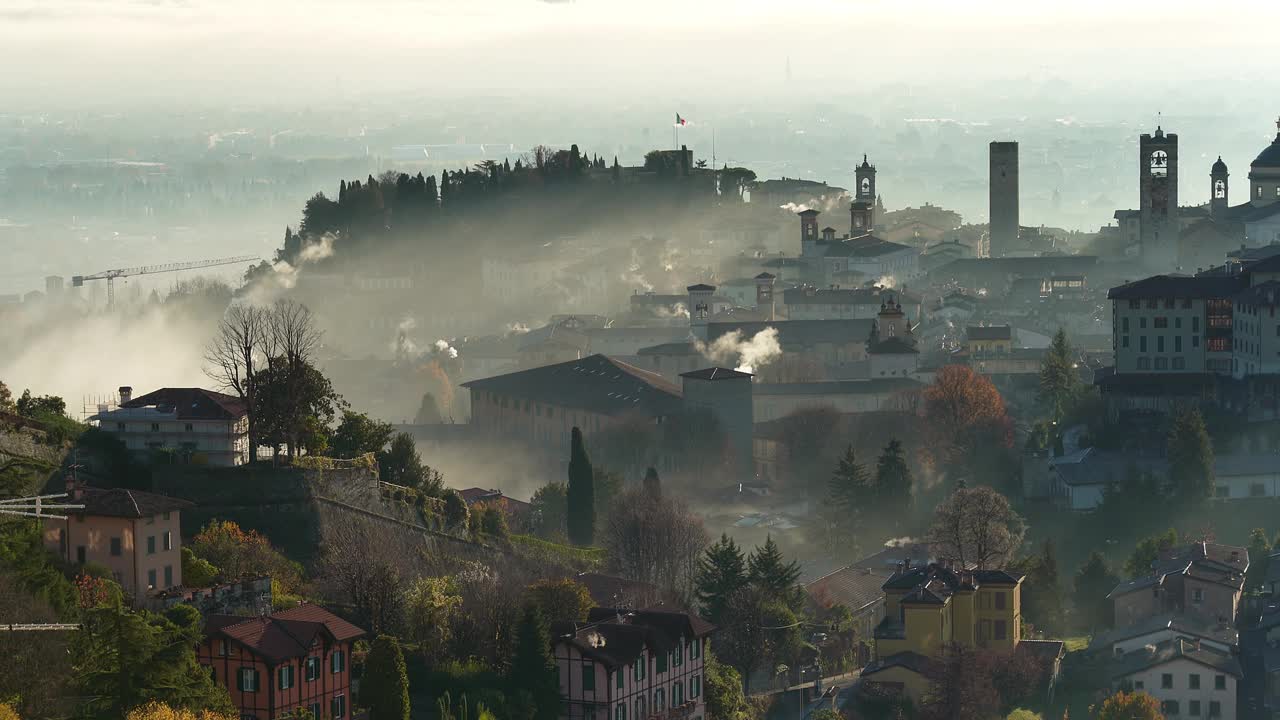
67,52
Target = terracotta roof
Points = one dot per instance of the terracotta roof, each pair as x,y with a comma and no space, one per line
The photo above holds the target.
616,637
119,502
855,588
283,635
192,403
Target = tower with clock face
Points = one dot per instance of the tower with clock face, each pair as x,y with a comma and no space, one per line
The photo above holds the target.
1158,194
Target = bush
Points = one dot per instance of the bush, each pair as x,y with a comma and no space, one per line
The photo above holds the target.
455,510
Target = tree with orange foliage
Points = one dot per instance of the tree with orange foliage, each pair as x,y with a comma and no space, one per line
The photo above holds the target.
239,553
967,420
6,710
1128,706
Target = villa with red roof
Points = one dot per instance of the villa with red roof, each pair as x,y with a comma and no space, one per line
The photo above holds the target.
198,426
295,659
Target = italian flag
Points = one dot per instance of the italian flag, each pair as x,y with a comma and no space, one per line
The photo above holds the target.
680,120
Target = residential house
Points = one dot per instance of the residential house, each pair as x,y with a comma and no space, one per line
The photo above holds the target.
135,535
987,340
517,511
273,665
632,665
197,426
1158,629
1204,578
1190,678
1081,480
859,590
928,608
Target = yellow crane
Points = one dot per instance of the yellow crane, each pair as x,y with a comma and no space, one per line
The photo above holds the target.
111,275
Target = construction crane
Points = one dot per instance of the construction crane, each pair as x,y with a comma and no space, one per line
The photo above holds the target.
111,275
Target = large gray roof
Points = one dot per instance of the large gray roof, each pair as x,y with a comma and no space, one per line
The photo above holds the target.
595,383
1269,158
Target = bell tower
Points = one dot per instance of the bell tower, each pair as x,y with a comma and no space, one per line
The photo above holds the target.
1218,189
862,209
1158,194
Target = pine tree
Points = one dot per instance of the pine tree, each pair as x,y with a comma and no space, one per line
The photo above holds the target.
1259,559
1092,583
848,485
581,495
722,571
1059,383
1041,596
775,577
1190,453
385,688
652,483
533,682
893,485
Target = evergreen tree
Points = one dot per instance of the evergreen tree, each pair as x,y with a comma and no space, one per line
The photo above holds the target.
581,494
1259,559
893,480
722,571
1190,454
385,688
533,682
775,577
1059,383
848,485
1041,596
652,484
1093,582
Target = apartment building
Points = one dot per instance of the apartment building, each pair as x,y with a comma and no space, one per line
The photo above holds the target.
1203,579
632,665
1190,678
196,426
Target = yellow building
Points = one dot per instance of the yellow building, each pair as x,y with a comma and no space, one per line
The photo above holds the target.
928,608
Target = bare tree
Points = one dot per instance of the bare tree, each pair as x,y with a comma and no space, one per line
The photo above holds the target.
655,540
235,353
976,525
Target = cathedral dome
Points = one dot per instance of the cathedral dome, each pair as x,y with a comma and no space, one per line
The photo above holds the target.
1269,159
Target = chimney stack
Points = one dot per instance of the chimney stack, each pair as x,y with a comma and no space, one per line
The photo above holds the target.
126,394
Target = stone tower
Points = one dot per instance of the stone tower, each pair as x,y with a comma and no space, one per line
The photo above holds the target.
1158,193
862,213
700,308
1003,199
808,233
1218,190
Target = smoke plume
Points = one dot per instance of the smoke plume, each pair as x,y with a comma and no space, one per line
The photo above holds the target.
746,355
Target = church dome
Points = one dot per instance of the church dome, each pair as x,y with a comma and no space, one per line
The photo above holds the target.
1219,166
1270,157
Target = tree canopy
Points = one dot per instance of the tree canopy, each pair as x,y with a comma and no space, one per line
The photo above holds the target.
976,525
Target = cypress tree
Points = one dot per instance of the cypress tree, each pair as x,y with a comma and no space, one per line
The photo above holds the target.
581,494
385,688
1058,380
848,485
1190,458
893,480
722,571
652,483
534,679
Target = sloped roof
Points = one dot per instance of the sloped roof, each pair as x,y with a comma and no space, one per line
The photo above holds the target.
595,383
554,335
1175,649
865,246
121,502
989,332
798,334
192,403
1188,624
1178,287
616,637
855,588
913,661
893,346
716,373
282,635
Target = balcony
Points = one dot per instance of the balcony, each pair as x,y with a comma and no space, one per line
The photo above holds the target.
677,712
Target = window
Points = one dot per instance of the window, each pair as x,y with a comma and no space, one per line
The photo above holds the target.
1195,324
222,648
1138,685
640,665
695,686
115,547
80,552
999,599
151,578
1193,708
155,427
1219,683
284,677
1193,680
1257,490
1195,341
1177,323
1179,363
677,655
619,676
677,694
189,427
1166,681
1159,343
1124,324
1142,323
315,711
695,648
1169,303
1001,630
1152,303
659,700
168,576
168,540
1222,491
1161,322
620,713
337,661
120,427
661,662
1215,708
1162,363
1169,707
1177,343
338,707
640,707
1124,341
151,544
1142,343
588,677
248,680
313,668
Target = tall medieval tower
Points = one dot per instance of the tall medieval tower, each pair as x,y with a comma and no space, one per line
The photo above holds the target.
1003,199
1158,173
862,214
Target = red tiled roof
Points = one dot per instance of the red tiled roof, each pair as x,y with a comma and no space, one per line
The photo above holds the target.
121,502
192,403
283,635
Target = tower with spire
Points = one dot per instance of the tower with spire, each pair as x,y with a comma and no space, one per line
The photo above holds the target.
862,209
891,349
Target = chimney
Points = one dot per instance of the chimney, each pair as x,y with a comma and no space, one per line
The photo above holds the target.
126,394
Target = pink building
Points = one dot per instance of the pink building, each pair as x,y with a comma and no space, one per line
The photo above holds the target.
134,534
632,665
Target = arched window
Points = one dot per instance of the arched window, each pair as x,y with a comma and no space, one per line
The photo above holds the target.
1219,189
866,186
1159,163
